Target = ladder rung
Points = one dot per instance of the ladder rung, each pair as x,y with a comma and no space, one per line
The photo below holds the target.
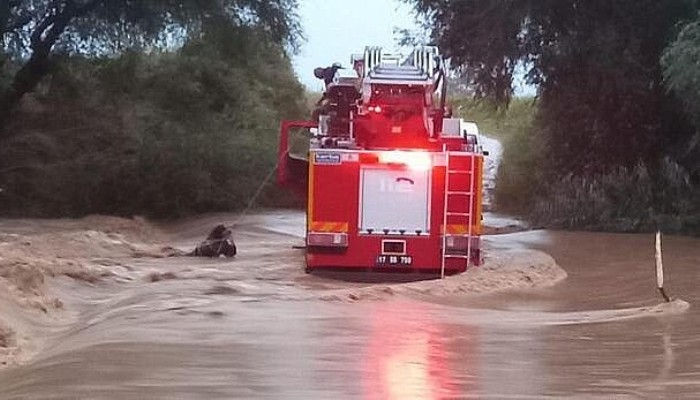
458,193
458,214
456,256
464,235
458,171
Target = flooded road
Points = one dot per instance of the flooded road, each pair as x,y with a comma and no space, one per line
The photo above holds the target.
154,327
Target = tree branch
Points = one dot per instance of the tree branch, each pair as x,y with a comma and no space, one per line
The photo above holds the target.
44,24
42,40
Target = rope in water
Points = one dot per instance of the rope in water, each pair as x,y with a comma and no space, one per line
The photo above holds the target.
255,196
264,182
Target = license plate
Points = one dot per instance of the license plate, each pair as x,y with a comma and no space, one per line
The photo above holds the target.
394,260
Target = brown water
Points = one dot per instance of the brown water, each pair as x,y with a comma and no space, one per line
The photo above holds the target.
258,327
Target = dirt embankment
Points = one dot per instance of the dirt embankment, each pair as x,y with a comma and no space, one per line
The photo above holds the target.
502,270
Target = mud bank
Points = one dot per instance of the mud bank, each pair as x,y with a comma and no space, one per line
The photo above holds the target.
502,270
40,260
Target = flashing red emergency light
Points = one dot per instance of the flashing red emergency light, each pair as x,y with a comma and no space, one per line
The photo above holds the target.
415,160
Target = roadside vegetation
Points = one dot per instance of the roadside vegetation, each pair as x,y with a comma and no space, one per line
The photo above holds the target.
513,127
624,200
151,127
612,140
172,107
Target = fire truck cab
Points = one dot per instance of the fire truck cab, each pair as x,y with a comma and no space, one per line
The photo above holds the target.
393,183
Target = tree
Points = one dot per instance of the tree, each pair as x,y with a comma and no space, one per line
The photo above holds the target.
36,28
681,63
163,133
596,63
681,68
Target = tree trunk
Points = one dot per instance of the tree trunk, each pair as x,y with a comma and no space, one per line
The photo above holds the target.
43,38
25,80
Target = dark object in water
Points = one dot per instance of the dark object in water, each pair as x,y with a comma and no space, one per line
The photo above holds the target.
218,243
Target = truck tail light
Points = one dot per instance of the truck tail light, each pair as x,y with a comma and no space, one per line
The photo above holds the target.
460,243
327,239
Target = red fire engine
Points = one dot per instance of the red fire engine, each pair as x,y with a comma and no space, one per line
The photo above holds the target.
393,183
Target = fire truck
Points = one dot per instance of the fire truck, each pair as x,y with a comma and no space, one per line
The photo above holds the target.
393,181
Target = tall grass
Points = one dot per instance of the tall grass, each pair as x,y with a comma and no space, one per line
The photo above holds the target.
626,199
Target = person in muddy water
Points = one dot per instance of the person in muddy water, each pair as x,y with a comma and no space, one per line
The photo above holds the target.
218,243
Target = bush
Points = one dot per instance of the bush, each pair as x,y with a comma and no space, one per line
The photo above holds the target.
627,200
162,134
622,199
639,198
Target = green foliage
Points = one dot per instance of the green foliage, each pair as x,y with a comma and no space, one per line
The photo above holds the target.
626,199
502,124
163,134
681,63
621,198
602,109
513,127
99,26
33,31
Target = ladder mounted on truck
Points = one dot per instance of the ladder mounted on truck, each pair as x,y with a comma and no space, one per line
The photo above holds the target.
465,200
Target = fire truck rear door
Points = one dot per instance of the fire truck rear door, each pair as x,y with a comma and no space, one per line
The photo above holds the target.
394,199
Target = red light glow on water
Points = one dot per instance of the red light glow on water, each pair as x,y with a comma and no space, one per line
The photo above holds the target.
407,356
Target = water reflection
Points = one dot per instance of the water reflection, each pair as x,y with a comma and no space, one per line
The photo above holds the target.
408,355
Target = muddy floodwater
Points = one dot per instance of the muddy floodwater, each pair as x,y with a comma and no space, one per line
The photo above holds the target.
95,313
